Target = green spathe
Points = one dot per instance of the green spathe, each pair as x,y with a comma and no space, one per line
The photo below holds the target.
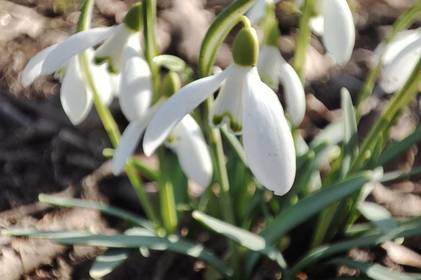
134,19
245,49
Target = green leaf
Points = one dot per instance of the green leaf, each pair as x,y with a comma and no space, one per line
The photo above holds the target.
171,62
374,271
107,262
245,238
89,204
134,240
406,230
396,149
313,204
307,207
236,145
350,131
378,215
217,33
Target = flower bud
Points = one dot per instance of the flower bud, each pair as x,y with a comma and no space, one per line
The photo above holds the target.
245,49
134,18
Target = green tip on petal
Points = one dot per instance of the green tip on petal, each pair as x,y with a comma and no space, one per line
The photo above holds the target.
134,17
171,84
245,49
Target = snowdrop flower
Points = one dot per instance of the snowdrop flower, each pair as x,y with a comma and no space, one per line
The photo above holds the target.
335,24
274,70
185,139
75,96
113,41
247,105
121,47
399,58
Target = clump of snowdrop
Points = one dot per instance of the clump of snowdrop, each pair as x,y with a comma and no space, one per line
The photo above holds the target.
185,139
398,59
275,70
247,105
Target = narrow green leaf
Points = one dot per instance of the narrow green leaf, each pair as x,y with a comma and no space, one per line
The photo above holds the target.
236,145
412,228
89,204
107,262
313,204
217,33
245,238
350,140
307,207
134,240
374,271
399,147
378,215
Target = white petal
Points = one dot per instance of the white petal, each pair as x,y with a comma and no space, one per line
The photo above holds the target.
294,93
267,139
33,69
128,143
399,42
115,83
74,96
339,30
398,71
317,24
135,85
257,11
179,105
73,45
192,151
103,83
228,107
112,49
269,65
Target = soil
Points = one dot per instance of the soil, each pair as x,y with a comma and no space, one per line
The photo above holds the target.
41,152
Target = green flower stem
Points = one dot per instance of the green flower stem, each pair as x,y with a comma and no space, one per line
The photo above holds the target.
214,38
380,129
107,119
151,46
403,22
218,31
304,36
113,133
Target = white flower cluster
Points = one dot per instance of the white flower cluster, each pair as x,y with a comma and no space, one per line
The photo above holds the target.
244,103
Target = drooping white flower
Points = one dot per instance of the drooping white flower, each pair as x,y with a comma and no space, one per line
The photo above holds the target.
399,58
113,40
335,24
121,47
258,10
274,70
185,139
75,96
247,105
